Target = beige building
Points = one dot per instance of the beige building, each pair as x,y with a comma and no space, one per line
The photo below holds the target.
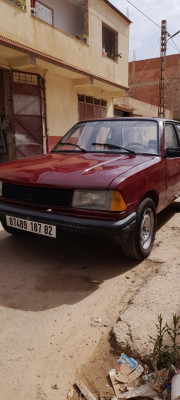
60,61
128,106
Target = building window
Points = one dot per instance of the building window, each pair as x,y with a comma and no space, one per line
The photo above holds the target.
121,113
109,42
90,107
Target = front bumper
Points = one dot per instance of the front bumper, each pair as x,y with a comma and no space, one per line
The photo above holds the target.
119,229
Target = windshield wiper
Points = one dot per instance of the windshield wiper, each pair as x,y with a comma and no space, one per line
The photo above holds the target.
73,144
113,146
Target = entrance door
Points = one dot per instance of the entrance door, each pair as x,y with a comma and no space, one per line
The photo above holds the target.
6,117
29,114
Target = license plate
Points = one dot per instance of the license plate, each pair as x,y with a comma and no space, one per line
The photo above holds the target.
31,226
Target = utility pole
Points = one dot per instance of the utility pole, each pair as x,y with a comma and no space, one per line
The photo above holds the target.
162,81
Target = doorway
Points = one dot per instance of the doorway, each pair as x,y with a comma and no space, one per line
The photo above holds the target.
22,115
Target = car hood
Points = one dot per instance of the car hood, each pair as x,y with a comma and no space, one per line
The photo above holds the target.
71,170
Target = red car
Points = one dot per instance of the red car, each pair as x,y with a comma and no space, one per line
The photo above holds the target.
106,177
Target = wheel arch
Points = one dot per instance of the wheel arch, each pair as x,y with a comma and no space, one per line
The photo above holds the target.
153,195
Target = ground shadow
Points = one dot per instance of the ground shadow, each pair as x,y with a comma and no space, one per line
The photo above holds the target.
37,273
165,215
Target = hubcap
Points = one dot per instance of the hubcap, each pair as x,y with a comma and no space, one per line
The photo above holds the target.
147,228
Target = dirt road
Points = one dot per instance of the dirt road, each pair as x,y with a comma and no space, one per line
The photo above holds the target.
51,292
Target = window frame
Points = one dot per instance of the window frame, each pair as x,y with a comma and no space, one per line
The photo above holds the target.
177,128
175,132
114,52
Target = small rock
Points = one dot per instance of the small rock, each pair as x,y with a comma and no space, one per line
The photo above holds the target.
55,387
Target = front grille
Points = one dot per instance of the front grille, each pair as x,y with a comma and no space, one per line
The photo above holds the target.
38,196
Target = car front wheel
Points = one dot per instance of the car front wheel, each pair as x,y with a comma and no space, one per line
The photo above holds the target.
140,240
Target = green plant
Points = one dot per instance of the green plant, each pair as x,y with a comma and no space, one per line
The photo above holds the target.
173,333
164,355
114,56
21,3
83,37
117,55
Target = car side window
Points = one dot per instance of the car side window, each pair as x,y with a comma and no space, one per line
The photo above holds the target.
170,139
178,131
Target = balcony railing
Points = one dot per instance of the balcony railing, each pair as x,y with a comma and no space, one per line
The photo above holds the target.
71,17
43,12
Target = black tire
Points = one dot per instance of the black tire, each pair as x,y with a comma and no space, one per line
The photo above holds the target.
12,231
140,240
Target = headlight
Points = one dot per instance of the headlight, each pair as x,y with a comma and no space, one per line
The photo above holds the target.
0,188
103,200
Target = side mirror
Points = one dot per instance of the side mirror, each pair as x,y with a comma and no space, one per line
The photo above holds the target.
172,152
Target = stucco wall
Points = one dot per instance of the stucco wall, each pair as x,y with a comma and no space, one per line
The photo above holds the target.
139,108
99,12
67,16
22,27
62,104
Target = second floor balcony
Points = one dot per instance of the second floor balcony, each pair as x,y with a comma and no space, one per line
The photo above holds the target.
68,16
86,34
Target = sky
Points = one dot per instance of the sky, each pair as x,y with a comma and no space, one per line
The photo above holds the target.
144,38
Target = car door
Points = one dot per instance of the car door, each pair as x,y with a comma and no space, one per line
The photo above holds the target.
172,163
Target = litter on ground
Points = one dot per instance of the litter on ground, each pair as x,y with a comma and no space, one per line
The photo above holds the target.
129,381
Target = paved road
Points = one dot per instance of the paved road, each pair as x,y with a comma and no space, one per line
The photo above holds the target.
50,293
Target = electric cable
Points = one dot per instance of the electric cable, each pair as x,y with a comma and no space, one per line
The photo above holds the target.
145,65
151,20
144,14
174,45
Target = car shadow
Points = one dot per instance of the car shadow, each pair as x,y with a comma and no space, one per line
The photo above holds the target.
37,273
165,215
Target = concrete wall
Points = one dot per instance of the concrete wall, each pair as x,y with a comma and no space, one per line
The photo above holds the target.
67,16
139,108
63,85
99,12
62,105
30,31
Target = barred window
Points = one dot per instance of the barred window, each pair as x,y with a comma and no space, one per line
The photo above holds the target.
90,107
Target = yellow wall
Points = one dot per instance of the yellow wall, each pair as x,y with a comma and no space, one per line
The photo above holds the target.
139,108
61,85
99,12
22,27
62,106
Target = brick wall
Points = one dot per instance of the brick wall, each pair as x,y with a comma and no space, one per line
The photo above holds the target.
144,82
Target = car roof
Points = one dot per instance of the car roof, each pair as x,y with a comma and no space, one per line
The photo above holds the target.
131,118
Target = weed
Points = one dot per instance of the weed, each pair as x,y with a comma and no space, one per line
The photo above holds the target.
164,355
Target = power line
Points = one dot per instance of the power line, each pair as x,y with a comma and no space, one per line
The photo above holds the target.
144,14
151,20
133,84
174,45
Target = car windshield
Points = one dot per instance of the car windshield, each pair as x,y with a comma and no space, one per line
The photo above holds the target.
115,136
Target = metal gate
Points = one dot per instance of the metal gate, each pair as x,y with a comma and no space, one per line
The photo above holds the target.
29,114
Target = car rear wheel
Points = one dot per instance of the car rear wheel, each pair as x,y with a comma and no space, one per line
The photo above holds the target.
10,230
140,240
